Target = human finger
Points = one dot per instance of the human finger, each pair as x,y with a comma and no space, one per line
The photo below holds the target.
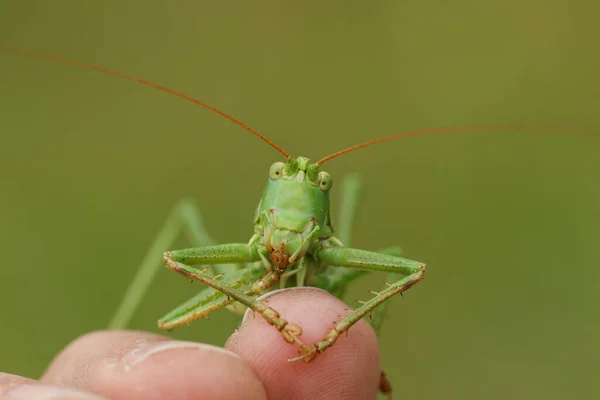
139,365
350,369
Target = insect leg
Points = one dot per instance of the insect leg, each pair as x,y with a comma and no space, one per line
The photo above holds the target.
379,313
176,260
336,279
362,259
184,216
210,299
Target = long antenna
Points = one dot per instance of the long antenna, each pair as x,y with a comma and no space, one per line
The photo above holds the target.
528,128
143,82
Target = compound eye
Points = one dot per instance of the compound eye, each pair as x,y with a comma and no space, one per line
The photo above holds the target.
276,170
324,181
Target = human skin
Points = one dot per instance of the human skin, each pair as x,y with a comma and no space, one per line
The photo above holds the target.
136,365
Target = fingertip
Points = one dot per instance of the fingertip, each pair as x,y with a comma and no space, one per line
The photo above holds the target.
350,369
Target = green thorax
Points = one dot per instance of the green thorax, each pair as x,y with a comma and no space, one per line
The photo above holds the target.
297,192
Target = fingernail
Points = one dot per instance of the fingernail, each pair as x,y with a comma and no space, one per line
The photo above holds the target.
142,352
47,392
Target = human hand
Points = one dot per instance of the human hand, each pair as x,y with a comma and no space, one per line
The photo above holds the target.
130,365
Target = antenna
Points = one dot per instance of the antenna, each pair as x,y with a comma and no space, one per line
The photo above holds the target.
143,82
527,128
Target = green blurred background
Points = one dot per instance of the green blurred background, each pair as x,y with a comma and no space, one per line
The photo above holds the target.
90,166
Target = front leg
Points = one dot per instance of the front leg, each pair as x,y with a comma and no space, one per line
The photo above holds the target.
362,259
210,299
180,261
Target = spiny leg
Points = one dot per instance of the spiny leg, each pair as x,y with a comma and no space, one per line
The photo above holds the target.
336,279
205,302
355,258
379,313
377,316
210,299
181,260
183,217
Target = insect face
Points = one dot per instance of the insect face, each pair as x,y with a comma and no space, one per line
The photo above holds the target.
294,210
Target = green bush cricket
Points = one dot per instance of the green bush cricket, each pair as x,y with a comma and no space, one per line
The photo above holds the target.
293,245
